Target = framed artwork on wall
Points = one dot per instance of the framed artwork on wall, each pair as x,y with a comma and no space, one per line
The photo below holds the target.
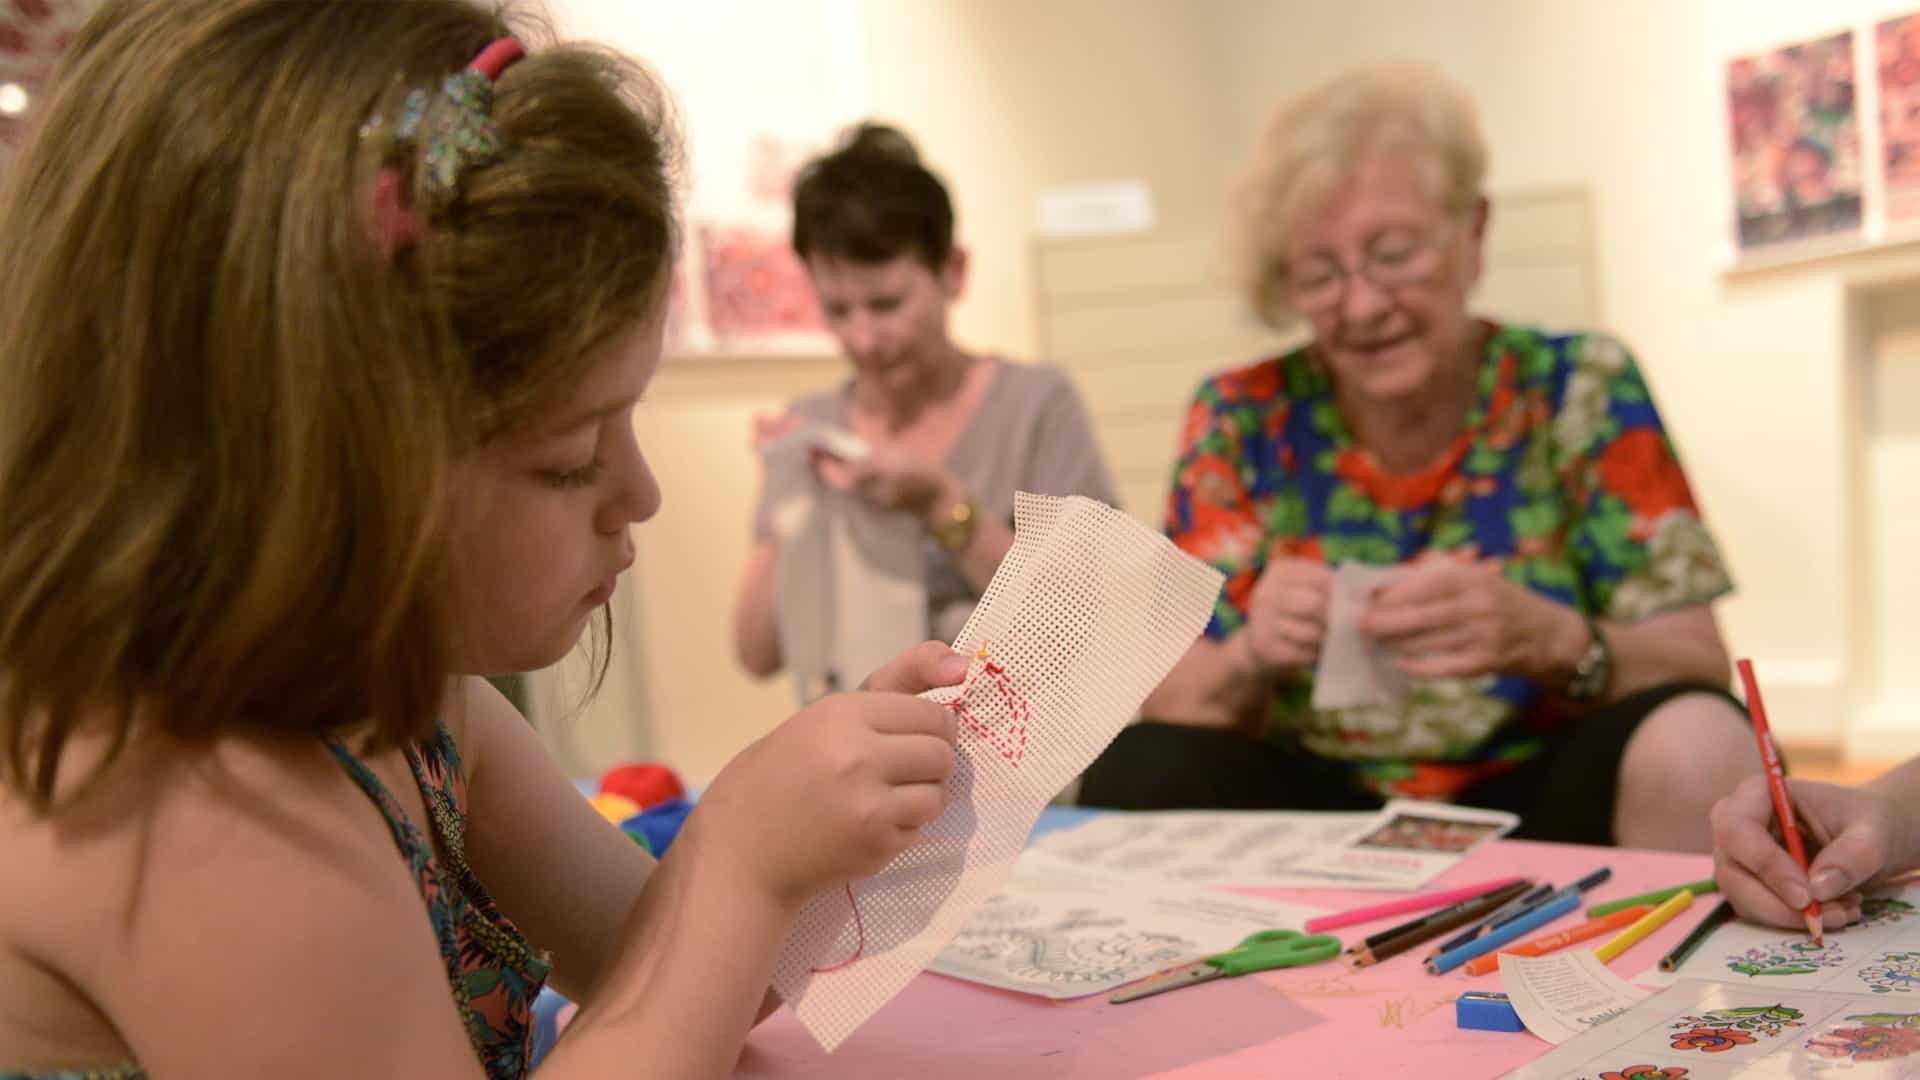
1897,60
33,34
1824,144
1795,143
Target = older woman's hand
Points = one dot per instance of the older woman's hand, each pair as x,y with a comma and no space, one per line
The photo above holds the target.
1454,619
1287,614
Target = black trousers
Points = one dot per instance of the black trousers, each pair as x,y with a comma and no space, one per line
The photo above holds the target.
1565,794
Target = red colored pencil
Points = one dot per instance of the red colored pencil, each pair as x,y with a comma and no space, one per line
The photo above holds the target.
1777,786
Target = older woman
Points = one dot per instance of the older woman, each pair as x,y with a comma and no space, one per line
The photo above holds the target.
1555,621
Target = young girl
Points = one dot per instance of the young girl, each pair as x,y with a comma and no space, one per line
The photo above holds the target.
324,325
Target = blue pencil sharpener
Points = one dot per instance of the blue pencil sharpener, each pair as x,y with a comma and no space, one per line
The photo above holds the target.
1486,1011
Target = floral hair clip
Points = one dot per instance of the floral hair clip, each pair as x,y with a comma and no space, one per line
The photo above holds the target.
452,128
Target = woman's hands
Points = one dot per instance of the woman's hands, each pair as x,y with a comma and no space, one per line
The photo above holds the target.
887,476
1448,618
1457,619
1287,614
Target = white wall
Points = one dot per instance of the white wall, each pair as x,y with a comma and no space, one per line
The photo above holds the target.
1622,97
1010,97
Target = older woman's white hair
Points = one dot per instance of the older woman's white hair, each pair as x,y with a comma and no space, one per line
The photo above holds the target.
1317,140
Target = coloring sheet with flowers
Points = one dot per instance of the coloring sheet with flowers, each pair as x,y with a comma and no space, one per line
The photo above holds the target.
1758,1001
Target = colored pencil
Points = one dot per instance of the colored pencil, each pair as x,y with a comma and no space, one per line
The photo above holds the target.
1777,787
1646,924
1553,909
1578,888
1514,906
1541,946
1657,896
1721,914
1432,927
1323,923
1446,914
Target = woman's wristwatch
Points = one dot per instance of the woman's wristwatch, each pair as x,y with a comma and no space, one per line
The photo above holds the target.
954,529
1594,672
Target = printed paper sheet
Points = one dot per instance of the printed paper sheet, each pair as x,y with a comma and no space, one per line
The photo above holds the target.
1060,929
1765,1002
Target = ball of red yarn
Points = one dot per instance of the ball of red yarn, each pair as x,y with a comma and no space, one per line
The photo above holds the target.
648,785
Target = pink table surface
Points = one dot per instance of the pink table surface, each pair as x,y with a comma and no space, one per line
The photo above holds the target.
1392,1019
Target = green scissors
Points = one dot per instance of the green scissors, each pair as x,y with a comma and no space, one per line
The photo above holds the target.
1262,950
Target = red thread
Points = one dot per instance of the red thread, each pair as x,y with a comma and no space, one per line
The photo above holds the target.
859,941
1013,751
1012,744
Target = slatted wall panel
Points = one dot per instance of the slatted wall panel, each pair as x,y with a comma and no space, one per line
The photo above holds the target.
1139,320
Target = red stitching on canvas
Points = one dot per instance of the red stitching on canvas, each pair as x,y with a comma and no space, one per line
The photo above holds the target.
859,940
1012,744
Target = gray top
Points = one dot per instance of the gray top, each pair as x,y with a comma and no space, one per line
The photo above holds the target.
1030,433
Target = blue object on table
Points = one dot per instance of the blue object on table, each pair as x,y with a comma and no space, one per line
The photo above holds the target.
1515,907
1486,1010
1487,943
658,825
1584,885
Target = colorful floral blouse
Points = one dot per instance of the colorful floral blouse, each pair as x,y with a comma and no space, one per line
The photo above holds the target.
493,973
1563,472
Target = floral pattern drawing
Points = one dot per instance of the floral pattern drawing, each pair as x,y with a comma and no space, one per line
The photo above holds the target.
1878,910
1645,1072
1892,973
1872,1037
1710,1040
1794,956
1768,1020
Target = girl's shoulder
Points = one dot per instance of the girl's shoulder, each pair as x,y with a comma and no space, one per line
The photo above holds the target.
190,877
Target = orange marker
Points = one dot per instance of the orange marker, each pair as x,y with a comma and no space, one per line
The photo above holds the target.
1541,946
1777,787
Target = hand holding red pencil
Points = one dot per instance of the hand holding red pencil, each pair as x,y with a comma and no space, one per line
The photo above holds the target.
1852,830
1855,832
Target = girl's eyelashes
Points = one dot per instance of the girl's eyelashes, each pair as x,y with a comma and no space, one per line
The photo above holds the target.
571,479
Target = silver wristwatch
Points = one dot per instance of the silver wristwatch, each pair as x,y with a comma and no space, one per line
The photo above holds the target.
1595,669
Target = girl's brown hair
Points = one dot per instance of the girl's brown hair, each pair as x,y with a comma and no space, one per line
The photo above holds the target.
227,418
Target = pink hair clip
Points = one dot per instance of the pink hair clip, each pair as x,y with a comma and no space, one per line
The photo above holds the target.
453,131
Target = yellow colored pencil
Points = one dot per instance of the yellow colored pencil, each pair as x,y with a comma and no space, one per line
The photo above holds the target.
1651,921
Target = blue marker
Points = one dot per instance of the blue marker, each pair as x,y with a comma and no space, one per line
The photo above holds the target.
1538,917
1580,887
1519,905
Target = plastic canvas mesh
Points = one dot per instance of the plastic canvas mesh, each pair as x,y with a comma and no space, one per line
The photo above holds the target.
1087,613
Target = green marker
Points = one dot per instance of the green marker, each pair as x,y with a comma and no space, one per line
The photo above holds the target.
1656,897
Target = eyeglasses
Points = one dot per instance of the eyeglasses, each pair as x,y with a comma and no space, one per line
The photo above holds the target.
1319,284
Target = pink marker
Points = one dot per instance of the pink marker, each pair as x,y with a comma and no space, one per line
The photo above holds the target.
1405,904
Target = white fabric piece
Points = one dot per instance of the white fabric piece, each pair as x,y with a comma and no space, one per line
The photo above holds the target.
1355,670
837,441
850,587
1087,613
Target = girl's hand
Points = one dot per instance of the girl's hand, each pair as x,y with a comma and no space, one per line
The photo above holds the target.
833,794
